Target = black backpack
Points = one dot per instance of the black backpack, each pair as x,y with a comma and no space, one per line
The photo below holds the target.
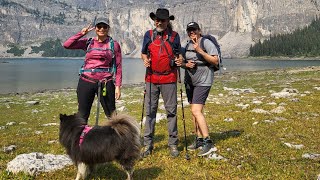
215,42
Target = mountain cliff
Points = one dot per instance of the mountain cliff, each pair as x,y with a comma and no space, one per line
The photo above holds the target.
236,23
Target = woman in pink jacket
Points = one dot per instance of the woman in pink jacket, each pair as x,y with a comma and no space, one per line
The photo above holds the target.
102,68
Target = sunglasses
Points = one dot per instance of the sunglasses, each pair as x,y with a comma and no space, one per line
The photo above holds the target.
160,20
191,30
99,26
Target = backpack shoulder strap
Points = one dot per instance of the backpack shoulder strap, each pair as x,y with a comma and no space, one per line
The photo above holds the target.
185,51
88,43
114,67
171,36
153,34
202,43
111,44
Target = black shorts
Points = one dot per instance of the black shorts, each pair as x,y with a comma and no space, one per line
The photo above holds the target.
197,94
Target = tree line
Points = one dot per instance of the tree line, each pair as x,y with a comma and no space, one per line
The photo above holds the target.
49,48
54,48
300,43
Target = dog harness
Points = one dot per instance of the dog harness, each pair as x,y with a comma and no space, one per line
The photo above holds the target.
84,132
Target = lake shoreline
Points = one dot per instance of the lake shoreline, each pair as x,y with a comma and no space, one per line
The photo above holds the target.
218,77
282,58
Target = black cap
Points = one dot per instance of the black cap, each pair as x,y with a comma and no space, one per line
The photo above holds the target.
192,26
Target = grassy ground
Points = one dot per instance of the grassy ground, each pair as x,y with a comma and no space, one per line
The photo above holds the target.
253,143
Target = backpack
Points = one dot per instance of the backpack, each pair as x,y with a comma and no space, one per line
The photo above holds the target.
215,42
167,52
171,35
88,49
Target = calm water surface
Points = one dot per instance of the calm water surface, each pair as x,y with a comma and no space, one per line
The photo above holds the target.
36,74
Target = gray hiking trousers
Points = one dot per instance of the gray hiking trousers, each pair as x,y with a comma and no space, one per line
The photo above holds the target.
169,96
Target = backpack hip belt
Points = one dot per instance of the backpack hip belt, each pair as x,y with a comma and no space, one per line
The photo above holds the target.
95,80
162,73
201,63
82,70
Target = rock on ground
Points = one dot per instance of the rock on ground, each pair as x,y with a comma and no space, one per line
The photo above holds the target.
36,162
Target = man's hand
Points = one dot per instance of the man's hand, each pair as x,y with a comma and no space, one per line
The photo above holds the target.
146,60
178,60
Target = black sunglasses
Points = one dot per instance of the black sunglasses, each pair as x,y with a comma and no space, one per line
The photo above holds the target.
161,20
99,26
191,30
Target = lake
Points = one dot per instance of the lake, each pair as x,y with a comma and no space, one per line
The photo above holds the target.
19,75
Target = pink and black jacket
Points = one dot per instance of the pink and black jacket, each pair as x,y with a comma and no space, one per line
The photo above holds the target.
100,58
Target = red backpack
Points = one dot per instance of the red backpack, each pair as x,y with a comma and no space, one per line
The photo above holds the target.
161,51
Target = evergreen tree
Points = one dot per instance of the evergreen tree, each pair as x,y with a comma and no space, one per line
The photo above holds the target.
54,48
301,42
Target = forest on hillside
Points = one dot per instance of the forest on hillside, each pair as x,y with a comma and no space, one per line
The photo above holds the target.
49,48
300,43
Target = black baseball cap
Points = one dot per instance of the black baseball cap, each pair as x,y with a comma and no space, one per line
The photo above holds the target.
192,26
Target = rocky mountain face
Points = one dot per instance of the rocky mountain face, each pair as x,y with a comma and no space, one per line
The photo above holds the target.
237,24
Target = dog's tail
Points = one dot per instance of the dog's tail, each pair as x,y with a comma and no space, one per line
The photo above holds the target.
124,125
129,132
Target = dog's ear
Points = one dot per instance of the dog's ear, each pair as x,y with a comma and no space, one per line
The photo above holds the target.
62,116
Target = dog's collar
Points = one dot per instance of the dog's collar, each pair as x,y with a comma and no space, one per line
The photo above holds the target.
84,132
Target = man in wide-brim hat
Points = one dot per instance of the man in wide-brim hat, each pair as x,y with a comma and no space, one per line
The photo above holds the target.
161,56
161,14
161,19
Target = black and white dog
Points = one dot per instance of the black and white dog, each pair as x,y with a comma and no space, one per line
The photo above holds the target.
117,140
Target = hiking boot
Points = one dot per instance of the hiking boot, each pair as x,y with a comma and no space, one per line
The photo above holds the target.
206,148
147,150
174,151
198,142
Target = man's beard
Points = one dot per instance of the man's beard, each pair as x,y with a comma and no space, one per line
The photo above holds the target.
159,29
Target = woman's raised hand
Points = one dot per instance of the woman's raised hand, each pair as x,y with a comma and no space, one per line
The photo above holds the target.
195,44
87,29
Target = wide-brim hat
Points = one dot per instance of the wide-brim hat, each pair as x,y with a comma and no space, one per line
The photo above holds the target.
161,13
102,20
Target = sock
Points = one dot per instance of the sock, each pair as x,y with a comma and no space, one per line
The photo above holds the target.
207,139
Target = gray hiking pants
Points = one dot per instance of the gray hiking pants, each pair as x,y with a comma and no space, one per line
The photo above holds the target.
169,95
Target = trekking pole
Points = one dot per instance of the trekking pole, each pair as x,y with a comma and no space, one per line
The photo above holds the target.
98,103
150,69
184,122
144,98
220,65
142,113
